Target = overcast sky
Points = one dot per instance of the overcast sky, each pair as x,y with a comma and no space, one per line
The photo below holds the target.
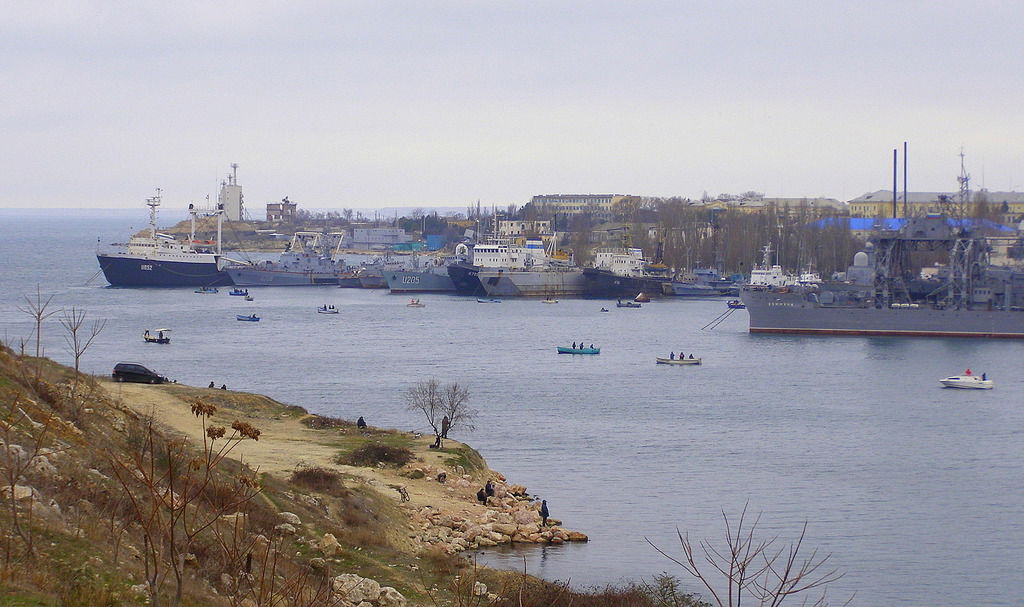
372,104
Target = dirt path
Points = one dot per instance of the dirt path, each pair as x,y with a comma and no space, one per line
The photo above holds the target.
285,442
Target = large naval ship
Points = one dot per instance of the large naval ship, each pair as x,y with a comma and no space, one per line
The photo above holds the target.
306,261
430,276
154,259
884,294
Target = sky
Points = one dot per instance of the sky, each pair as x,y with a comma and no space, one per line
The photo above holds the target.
420,103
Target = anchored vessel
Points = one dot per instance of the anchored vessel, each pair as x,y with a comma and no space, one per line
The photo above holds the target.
306,261
423,277
154,259
882,296
623,272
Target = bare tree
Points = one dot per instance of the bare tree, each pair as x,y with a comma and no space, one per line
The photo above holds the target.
753,568
38,311
426,398
78,342
437,402
455,406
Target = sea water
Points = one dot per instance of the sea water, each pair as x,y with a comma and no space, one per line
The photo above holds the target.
916,491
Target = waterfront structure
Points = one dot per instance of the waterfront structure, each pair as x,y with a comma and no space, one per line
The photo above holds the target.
155,259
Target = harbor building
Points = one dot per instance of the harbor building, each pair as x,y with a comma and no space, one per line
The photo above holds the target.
378,238
1009,206
599,206
523,228
281,211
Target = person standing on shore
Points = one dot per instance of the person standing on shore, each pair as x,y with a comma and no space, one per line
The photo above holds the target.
543,513
445,424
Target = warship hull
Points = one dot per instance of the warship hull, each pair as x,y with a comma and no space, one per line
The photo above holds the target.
245,277
420,281
465,277
795,313
134,271
506,283
604,283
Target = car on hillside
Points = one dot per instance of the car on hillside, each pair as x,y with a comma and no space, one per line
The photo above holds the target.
135,372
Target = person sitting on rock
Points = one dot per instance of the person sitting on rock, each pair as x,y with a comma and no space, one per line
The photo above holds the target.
211,385
361,423
481,496
489,489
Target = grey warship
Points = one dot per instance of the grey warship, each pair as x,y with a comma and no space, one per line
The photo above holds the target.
882,295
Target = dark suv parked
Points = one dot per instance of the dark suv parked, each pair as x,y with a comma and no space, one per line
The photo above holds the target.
137,373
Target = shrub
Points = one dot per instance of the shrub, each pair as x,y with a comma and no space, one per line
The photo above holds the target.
316,478
323,422
374,454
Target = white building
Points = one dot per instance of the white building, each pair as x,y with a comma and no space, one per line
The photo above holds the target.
369,238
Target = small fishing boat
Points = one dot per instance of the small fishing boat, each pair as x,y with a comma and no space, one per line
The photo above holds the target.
415,303
549,301
627,304
678,361
159,338
325,309
248,298
488,301
247,318
207,290
604,309
969,382
642,297
239,292
735,304
569,350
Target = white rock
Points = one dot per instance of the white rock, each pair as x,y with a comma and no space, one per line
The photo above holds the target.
479,589
355,589
389,597
21,492
285,529
290,518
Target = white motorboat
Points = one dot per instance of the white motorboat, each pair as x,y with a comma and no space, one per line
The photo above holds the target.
967,381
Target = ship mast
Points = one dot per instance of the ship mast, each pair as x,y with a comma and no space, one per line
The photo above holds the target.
153,203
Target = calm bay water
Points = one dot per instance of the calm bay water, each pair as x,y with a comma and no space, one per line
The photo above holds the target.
918,492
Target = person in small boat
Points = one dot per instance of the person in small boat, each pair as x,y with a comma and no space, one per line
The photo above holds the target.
968,372
160,335
591,346
573,345
691,356
361,423
146,334
672,355
984,377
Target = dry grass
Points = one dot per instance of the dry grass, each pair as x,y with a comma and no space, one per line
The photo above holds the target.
319,479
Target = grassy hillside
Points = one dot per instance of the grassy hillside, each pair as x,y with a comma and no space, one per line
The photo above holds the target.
117,494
